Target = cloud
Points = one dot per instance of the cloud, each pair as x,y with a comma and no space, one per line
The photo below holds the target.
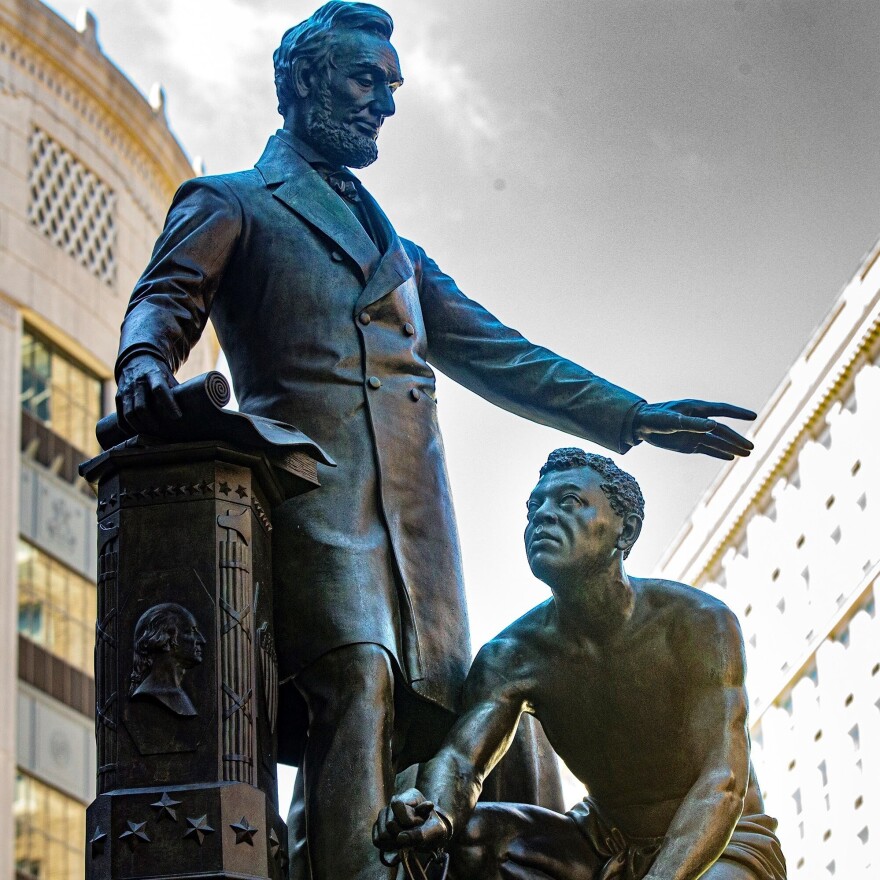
435,77
216,39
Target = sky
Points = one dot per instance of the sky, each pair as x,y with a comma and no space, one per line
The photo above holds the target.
669,192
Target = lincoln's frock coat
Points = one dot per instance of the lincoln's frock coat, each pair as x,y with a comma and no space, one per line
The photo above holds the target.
325,332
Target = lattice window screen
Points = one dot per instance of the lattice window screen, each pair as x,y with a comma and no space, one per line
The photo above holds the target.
72,206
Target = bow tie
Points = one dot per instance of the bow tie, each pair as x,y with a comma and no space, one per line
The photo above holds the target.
342,181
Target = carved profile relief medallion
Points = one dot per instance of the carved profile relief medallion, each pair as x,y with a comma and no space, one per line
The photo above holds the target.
167,643
167,657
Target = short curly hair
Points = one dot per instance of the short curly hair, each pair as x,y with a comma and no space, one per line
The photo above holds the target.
624,494
311,41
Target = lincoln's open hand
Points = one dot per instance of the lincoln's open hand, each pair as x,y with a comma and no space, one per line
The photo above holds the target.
143,399
410,822
690,426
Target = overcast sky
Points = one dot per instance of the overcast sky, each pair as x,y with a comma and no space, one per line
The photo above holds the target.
670,193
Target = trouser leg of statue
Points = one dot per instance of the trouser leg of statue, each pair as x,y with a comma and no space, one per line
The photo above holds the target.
296,833
347,767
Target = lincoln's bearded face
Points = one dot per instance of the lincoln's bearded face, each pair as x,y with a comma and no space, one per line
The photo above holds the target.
337,141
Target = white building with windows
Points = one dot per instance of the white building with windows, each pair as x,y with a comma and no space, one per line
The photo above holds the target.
790,539
87,170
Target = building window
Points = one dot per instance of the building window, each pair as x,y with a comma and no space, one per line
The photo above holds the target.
854,736
50,832
56,607
59,392
72,207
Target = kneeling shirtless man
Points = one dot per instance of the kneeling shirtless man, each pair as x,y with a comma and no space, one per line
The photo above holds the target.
639,685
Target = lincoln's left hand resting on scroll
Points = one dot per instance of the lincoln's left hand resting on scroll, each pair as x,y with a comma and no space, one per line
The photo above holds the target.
639,684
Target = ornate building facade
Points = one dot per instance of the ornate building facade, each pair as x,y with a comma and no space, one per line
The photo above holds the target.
790,539
88,167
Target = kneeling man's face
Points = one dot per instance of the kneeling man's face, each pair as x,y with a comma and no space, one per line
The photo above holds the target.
572,528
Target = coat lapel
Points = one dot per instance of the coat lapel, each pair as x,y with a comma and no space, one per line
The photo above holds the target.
297,185
394,267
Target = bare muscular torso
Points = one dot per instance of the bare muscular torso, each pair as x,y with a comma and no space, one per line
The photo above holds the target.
619,712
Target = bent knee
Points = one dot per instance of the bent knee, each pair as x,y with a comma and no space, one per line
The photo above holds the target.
355,677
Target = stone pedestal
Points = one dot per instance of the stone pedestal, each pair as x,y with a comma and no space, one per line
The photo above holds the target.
185,666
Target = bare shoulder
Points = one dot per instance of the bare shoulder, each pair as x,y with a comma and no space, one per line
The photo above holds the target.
510,661
702,630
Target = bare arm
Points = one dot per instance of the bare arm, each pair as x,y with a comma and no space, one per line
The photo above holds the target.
494,701
703,824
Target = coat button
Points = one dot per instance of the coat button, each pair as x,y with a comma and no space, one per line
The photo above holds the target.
408,329
414,393
364,318
336,256
374,382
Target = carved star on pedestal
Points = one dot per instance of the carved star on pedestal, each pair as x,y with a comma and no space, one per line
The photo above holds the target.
225,488
274,844
244,831
98,842
241,492
165,807
198,828
135,834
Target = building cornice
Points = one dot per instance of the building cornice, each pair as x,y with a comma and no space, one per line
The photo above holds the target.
61,60
844,340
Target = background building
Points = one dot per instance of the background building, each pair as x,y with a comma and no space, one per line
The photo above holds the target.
87,169
790,540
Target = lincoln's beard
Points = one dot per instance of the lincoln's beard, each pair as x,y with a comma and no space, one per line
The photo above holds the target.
333,140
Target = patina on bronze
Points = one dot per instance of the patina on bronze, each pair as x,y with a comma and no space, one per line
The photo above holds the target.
639,684
333,323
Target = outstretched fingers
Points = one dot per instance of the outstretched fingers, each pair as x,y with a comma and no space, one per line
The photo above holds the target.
731,440
715,453
667,421
712,410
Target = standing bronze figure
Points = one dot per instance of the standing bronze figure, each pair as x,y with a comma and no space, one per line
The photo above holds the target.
640,686
332,322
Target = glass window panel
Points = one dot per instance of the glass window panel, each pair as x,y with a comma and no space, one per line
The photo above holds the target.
59,391
49,832
56,607
56,814
57,584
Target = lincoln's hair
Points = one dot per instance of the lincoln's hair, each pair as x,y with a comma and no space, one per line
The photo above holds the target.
624,494
156,631
311,41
